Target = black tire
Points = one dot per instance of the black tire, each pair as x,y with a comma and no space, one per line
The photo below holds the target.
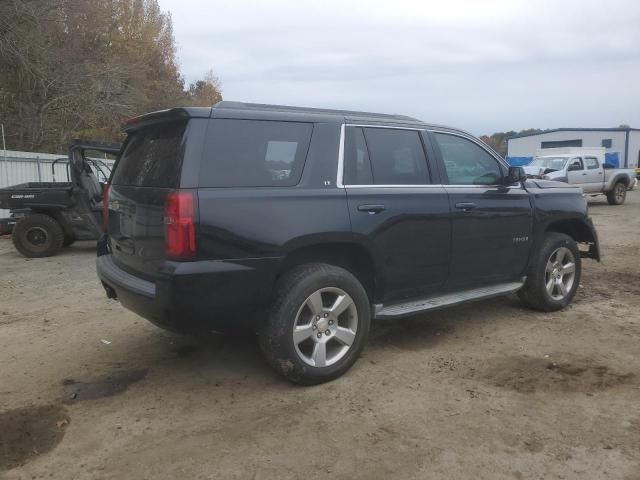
535,293
290,300
38,235
68,240
618,194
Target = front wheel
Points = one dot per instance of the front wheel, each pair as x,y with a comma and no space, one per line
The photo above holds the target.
318,324
554,275
618,195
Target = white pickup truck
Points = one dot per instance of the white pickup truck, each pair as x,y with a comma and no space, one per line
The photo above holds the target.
584,167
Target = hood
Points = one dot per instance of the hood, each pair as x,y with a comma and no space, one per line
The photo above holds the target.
551,184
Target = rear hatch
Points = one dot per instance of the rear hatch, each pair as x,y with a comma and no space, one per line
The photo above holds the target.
146,174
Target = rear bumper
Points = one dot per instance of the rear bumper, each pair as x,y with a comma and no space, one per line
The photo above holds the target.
194,296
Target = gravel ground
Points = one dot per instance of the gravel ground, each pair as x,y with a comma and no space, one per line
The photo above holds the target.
484,391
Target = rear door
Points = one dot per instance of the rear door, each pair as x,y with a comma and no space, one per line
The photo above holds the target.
491,222
147,170
398,207
594,178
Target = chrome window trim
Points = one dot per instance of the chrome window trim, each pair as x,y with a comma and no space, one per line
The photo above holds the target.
343,129
388,127
431,185
339,181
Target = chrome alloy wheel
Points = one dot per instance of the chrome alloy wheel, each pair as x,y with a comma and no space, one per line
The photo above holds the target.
560,273
325,327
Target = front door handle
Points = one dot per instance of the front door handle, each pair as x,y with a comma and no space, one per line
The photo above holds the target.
371,209
466,206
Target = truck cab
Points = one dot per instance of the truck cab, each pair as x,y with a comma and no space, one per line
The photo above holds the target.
585,168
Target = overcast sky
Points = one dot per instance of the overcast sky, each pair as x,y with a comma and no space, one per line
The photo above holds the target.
484,66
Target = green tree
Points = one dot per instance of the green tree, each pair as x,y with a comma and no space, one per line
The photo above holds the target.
79,68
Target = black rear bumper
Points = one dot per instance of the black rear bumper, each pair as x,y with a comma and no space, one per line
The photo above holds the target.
195,296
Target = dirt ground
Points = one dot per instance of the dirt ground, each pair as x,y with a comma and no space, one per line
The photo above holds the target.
484,391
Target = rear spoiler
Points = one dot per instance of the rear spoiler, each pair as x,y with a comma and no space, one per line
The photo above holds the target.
180,113
82,145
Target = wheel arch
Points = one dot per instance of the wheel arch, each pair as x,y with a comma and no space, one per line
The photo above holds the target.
624,179
581,231
350,255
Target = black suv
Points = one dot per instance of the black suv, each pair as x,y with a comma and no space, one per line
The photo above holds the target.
303,224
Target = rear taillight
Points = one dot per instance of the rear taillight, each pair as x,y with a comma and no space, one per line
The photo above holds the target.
179,225
105,207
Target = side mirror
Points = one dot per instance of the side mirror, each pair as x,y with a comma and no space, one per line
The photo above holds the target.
516,175
573,167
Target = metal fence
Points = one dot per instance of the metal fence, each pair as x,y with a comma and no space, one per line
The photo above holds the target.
22,167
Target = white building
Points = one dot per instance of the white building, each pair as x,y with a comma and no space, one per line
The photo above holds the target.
622,144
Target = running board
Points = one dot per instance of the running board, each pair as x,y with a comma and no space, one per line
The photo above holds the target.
433,303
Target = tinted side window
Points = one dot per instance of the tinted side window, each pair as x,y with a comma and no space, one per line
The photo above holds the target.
397,157
591,163
152,157
467,163
254,153
357,167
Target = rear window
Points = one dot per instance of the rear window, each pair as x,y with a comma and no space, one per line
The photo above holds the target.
254,153
152,157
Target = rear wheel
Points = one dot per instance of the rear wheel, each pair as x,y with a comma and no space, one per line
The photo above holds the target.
618,194
318,324
554,274
38,235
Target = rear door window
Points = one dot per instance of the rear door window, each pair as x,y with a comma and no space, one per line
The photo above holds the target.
357,166
397,156
591,163
152,157
254,153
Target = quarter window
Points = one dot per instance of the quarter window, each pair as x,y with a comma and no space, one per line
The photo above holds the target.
466,163
254,153
397,156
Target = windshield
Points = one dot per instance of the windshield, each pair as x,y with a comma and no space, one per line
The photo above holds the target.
554,163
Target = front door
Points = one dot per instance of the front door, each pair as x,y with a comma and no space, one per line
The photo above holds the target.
576,174
491,221
397,209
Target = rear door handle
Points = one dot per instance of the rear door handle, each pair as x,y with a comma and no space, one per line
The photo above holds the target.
466,206
371,209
